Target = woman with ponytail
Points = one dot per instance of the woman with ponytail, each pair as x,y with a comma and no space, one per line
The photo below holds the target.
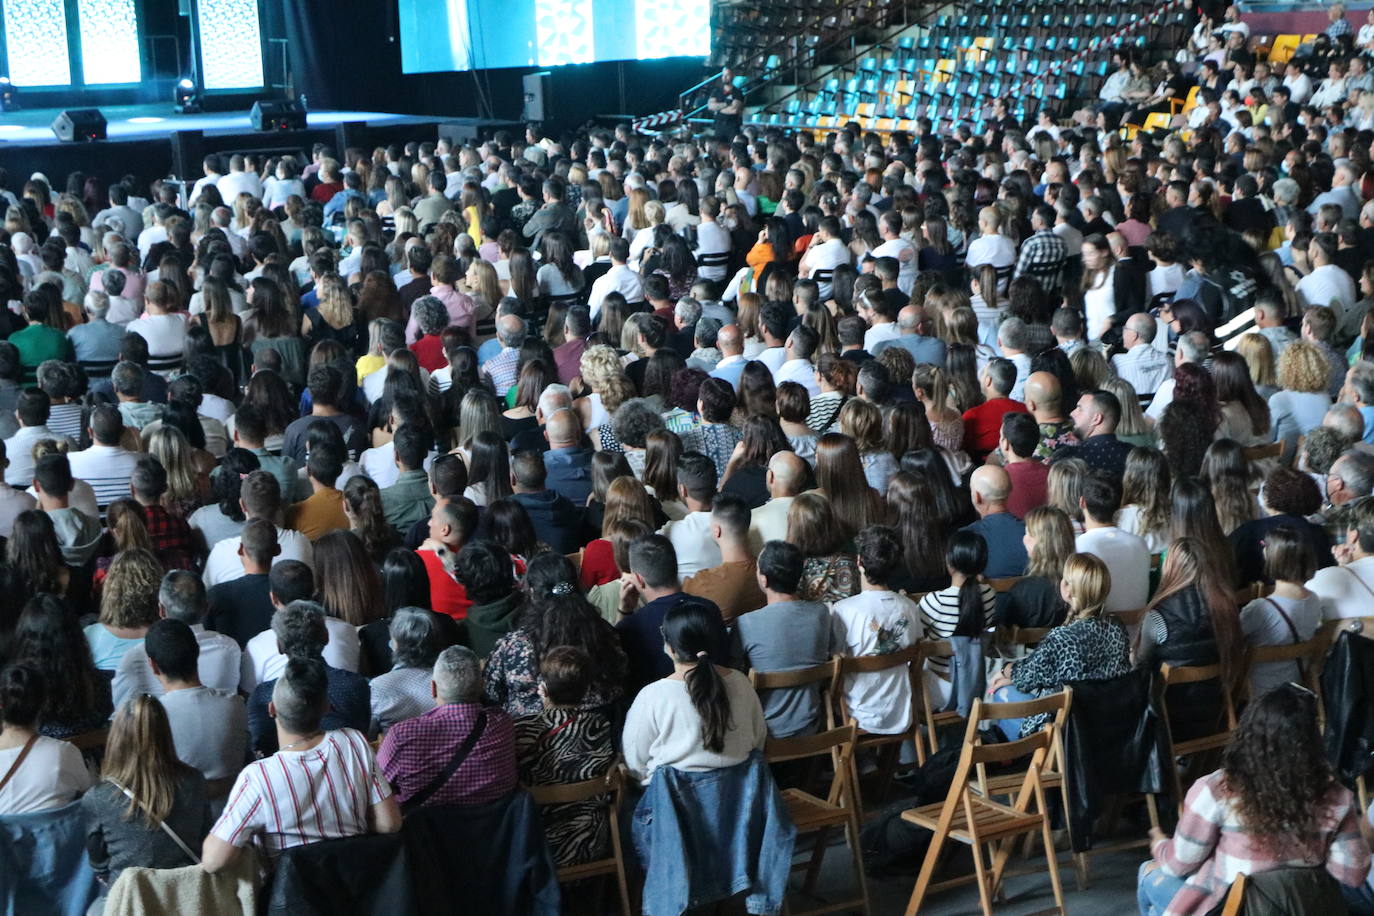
703,716
963,609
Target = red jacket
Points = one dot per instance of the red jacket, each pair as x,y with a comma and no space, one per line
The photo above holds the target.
983,425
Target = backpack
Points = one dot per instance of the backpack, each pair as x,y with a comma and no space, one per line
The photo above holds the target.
890,845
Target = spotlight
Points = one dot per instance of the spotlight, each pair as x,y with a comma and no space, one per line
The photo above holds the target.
187,101
9,100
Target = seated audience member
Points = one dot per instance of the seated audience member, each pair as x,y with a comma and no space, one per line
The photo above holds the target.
554,613
1347,588
1090,645
403,692
1275,803
1028,474
962,609
787,633
322,783
128,606
1127,557
1289,615
181,597
78,534
557,522
877,621
242,607
983,424
321,512
149,809
485,571
250,434
829,572
1289,498
1036,601
451,525
567,463
300,632
1001,531
699,716
694,548
209,726
168,534
731,585
787,477
43,773
263,658
1192,618
409,498
653,580
567,740
1095,420
260,497
106,465
416,754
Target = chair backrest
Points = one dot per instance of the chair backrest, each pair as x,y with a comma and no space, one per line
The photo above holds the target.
797,677
1028,636
1005,583
597,788
838,745
1055,705
910,658
1261,452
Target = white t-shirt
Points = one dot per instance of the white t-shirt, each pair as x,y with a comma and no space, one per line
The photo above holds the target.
996,250
1128,560
262,662
905,253
1328,285
877,623
1345,591
691,537
663,728
826,256
51,776
165,334
225,565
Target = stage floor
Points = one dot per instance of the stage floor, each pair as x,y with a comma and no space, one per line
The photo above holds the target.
155,121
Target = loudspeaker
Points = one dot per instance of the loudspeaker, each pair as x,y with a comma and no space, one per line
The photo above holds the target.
188,153
348,135
275,114
458,133
538,89
79,124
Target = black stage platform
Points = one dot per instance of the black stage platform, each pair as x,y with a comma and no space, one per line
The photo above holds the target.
152,141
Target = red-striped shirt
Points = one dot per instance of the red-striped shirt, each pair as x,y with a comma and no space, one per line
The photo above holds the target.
298,797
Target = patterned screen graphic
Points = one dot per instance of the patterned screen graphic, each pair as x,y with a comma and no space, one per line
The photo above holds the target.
672,28
109,42
36,42
230,44
564,30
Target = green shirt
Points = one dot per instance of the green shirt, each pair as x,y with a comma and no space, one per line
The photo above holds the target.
407,500
37,343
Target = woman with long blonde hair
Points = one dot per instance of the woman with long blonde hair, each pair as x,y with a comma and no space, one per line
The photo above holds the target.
626,500
146,796
1035,601
128,606
931,385
187,487
1064,488
482,285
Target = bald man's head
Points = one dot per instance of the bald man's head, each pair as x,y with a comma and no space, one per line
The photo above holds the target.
909,319
1043,394
562,428
786,474
1143,326
990,487
730,341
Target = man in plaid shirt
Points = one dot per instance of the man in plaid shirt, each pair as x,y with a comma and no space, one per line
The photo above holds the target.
504,366
1043,254
169,534
417,753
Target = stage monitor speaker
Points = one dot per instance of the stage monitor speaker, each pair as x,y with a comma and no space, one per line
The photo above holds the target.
538,89
79,124
188,153
459,133
277,114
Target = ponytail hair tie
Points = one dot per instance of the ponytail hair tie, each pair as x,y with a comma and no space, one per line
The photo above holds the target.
702,654
563,588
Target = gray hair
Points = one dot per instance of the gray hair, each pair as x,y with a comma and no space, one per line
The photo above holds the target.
414,638
301,695
510,330
1347,420
127,378
555,397
1356,469
60,379
707,331
182,596
97,304
1361,381
430,314
1195,347
1012,333
1143,325
458,675
687,310
300,629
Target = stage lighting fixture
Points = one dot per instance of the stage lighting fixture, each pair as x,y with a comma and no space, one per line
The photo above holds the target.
9,99
187,101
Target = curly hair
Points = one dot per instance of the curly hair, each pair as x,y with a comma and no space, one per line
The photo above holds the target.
129,595
686,387
1303,367
1290,492
633,422
1185,431
599,365
1277,770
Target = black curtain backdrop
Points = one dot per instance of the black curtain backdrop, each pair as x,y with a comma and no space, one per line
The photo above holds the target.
352,60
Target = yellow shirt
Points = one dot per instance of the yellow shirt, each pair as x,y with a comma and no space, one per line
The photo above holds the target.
369,364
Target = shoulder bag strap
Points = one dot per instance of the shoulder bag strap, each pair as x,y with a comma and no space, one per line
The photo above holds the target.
166,828
1293,631
461,754
14,767
1356,576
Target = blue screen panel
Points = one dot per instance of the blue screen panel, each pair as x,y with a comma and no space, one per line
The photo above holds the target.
564,32
36,42
109,42
672,28
230,44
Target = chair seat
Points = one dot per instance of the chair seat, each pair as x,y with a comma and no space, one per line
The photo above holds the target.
582,870
994,820
811,813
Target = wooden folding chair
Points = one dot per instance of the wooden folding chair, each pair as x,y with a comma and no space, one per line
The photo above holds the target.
935,719
812,814
1307,654
1004,584
910,658
1252,591
822,675
1235,897
974,820
1261,452
1171,676
1051,774
608,790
